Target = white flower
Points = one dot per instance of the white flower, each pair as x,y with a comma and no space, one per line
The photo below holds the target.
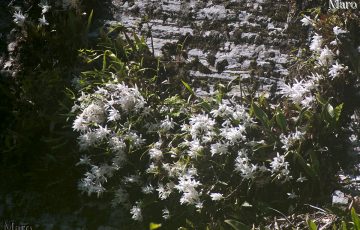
42,21
241,114
44,7
187,185
86,140
337,30
308,101
199,205
292,195
148,189
223,111
80,124
19,18
306,21
316,43
326,57
84,160
94,113
114,114
301,179
201,125
155,154
121,96
102,132
175,169
243,165
218,148
195,148
153,169
136,212
117,144
334,42
167,124
233,134
166,213
335,69
298,90
216,196
133,179
130,98
280,167
93,180
290,139
165,191
353,138
135,139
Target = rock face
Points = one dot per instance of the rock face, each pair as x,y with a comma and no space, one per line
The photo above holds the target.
228,38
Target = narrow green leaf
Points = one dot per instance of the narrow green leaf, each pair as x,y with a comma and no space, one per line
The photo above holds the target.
330,110
301,116
260,114
343,225
136,38
89,21
104,59
315,164
312,225
303,164
281,120
355,219
320,99
154,226
187,86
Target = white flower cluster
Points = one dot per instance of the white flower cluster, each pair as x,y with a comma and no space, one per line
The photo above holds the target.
173,155
243,165
187,186
97,112
20,18
280,167
326,56
300,92
289,140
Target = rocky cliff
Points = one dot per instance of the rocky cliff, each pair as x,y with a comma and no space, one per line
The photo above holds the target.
227,38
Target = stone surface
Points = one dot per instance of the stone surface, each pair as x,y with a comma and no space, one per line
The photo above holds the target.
228,38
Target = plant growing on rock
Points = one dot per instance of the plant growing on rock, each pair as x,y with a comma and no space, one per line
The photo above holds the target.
203,154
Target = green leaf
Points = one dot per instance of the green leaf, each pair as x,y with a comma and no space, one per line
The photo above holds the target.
321,100
312,225
89,21
330,110
281,120
355,219
189,223
154,226
260,114
236,225
309,170
338,111
343,225
301,116
187,86
104,59
315,164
